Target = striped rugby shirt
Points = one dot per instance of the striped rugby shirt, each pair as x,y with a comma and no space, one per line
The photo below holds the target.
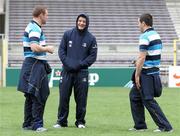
151,43
33,34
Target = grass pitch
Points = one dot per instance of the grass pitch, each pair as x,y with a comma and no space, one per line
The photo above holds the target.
108,113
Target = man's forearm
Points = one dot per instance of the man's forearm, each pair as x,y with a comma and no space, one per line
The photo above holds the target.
139,65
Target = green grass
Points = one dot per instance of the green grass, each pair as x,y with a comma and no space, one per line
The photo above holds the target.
108,113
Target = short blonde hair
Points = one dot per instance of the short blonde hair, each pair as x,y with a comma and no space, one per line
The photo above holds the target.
38,10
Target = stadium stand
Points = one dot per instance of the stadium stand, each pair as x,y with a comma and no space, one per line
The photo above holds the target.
114,23
174,11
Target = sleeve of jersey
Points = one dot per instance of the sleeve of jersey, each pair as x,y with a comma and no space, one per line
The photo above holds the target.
143,43
34,35
62,49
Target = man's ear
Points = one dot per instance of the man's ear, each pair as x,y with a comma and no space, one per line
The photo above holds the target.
143,23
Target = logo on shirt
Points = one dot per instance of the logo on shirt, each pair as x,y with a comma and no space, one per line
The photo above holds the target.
70,43
84,45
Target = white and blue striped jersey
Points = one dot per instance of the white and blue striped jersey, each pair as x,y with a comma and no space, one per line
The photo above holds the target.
33,34
151,43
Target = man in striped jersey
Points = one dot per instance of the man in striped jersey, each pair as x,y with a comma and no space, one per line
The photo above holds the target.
33,80
147,83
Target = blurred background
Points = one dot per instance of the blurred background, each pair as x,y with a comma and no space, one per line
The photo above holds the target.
114,24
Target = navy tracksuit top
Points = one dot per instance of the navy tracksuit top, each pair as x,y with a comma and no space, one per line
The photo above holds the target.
77,50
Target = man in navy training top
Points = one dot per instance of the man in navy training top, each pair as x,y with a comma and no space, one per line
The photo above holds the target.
147,83
77,51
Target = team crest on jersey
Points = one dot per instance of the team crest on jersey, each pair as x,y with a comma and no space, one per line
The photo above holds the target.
70,43
84,45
